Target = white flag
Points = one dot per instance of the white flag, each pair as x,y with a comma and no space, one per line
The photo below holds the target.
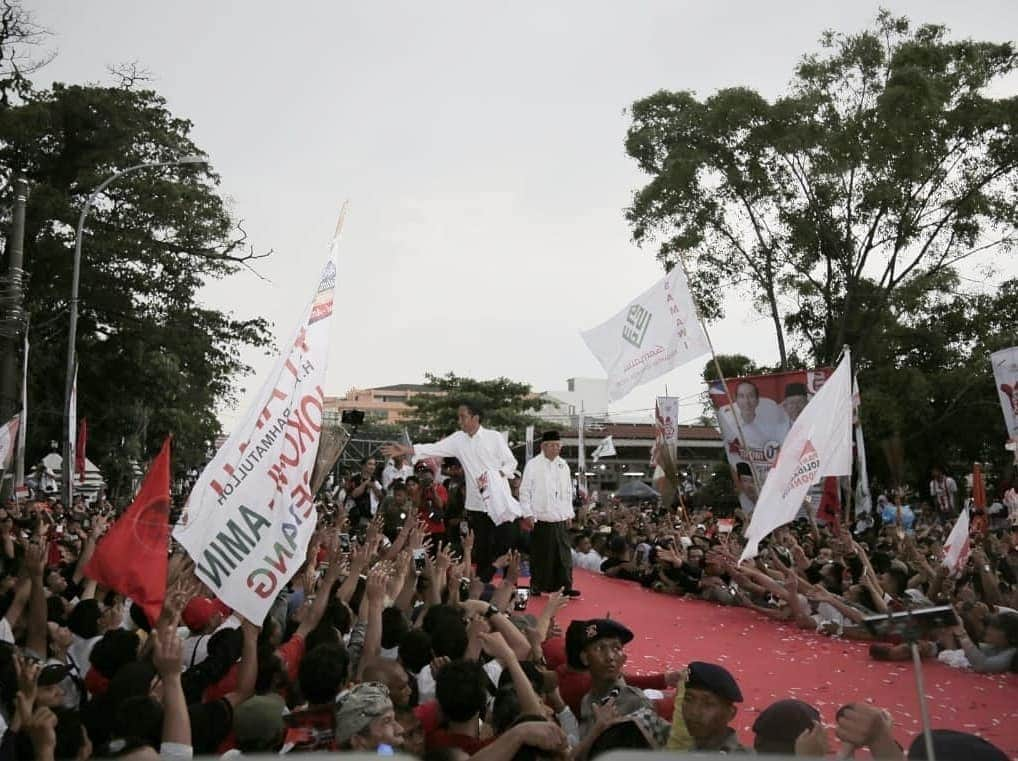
8,441
863,499
530,443
19,459
1005,375
605,449
667,414
251,514
819,444
72,430
654,333
958,545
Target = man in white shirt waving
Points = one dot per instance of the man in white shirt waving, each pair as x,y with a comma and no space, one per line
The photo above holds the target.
546,493
484,455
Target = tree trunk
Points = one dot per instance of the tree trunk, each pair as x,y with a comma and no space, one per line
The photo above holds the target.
778,330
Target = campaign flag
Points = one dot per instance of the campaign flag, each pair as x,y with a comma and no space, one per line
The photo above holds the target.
654,333
1005,374
19,459
9,441
863,498
530,443
605,449
251,513
668,418
958,545
765,407
79,452
72,428
819,444
132,558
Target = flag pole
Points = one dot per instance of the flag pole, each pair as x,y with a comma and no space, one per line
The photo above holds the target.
721,379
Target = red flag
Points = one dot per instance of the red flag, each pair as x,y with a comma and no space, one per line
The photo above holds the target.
131,558
829,510
79,452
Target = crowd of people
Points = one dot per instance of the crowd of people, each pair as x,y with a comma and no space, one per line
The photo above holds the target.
401,633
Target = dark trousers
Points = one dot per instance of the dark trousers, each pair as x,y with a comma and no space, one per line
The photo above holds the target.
551,562
490,542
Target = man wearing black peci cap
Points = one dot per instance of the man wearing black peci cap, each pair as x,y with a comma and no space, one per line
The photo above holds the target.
796,397
709,706
546,496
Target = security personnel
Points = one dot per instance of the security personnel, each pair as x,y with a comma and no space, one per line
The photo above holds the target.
709,706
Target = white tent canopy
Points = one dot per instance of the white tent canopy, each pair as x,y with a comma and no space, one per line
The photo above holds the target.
92,485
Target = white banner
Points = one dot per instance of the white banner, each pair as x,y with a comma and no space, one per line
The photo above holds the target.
1005,374
250,516
863,498
8,441
19,459
654,333
958,545
819,444
668,418
72,431
605,449
530,444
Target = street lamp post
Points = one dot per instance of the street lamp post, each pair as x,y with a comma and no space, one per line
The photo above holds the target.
68,466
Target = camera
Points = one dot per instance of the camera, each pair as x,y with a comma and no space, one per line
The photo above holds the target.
419,561
522,598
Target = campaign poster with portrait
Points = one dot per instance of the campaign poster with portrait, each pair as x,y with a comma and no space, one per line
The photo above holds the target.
765,406
1005,375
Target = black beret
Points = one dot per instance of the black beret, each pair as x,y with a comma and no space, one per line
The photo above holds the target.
947,743
713,678
796,389
780,724
580,634
549,436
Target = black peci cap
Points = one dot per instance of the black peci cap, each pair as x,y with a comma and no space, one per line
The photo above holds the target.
713,678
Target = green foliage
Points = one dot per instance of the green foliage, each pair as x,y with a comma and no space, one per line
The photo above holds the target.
884,166
152,359
506,405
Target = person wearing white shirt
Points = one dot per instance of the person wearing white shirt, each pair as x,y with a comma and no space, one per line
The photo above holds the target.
396,468
944,491
546,494
482,453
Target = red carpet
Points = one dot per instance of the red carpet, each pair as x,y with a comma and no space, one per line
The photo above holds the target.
773,661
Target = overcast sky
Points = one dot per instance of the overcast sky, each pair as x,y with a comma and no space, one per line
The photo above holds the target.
480,146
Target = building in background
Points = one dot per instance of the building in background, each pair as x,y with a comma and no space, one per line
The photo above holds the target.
382,404
563,407
700,449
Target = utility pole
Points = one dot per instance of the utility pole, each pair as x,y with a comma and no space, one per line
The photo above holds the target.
13,301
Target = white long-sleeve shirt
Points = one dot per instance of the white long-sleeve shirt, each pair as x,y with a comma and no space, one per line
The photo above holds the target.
546,491
485,450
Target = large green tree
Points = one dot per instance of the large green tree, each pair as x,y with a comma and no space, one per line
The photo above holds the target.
507,405
886,164
153,359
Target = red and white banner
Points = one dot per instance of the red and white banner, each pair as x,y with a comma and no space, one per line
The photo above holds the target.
251,514
766,406
1005,375
958,545
818,444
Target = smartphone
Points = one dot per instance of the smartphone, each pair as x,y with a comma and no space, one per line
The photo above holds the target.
419,561
464,528
522,598
464,588
344,542
610,696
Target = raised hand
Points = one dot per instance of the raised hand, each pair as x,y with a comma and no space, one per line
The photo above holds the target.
494,644
166,652
813,742
375,589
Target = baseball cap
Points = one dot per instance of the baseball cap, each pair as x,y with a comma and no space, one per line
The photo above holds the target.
198,613
258,721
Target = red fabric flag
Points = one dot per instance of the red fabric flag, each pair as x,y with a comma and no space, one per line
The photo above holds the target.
829,510
79,451
131,558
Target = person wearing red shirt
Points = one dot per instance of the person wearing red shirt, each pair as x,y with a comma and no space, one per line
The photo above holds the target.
430,499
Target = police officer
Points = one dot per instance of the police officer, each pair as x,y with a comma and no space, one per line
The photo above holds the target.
709,706
597,645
